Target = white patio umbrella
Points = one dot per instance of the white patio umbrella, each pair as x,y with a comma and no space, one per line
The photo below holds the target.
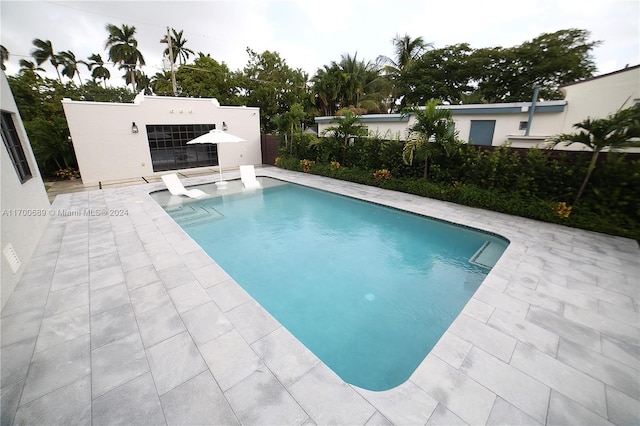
217,136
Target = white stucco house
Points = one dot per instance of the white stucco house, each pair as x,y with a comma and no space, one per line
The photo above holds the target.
23,199
121,141
500,123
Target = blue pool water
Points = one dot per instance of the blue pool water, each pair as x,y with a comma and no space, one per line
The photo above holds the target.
368,289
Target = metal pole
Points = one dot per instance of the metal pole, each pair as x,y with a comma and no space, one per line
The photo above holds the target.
532,108
173,73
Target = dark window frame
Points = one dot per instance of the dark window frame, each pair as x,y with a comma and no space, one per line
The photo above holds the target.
169,150
14,147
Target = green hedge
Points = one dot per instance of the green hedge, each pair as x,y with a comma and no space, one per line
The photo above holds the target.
517,195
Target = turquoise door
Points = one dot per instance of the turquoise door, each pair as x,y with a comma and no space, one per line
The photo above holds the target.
482,132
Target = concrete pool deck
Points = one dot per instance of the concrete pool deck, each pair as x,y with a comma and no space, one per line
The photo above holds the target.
123,319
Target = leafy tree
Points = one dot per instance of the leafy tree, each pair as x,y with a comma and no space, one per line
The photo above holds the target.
40,103
179,51
460,74
290,122
406,50
619,130
445,74
206,78
123,50
4,56
433,132
272,85
44,52
98,70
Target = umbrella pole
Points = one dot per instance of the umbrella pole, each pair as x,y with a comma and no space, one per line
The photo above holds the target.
221,183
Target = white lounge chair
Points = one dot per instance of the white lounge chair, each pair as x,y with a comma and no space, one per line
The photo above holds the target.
248,177
175,187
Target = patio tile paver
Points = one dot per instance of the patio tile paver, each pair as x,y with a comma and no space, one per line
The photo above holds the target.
206,322
110,297
228,295
68,405
117,363
63,327
260,399
55,367
149,297
565,328
188,296
159,324
15,360
624,378
173,361
21,326
134,403
443,417
555,326
567,380
525,331
484,336
405,404
504,413
462,395
565,411
230,359
509,383
622,409
252,321
285,355
198,401
111,325
328,400
67,298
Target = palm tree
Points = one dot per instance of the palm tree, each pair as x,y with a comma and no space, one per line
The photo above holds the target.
432,132
97,68
179,52
70,65
123,50
28,66
618,130
354,78
347,126
4,56
406,50
326,86
43,52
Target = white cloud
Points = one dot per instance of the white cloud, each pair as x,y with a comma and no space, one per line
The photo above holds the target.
310,34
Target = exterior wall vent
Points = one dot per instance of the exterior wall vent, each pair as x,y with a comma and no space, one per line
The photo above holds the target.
12,257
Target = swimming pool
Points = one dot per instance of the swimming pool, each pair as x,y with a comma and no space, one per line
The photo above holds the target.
368,289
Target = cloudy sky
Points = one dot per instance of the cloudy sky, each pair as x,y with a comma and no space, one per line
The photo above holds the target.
311,33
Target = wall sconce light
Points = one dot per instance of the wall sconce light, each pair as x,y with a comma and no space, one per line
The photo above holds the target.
224,126
134,128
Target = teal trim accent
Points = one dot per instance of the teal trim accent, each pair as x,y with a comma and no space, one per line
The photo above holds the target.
378,118
506,110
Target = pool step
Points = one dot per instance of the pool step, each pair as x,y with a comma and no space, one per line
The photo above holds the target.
487,256
194,214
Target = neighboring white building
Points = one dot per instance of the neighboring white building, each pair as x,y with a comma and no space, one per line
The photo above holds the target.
496,124
23,199
119,141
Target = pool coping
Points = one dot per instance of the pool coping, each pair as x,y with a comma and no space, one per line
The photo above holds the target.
560,303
